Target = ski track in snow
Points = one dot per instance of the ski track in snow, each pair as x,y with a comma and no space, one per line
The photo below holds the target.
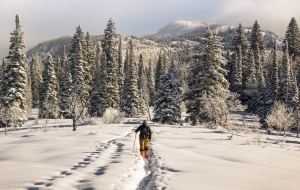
143,174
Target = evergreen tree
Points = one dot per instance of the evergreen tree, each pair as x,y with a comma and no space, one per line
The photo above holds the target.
36,79
286,78
275,77
258,68
130,102
240,39
292,37
78,74
89,61
250,82
109,48
64,93
78,63
48,106
140,71
257,38
98,55
166,63
64,61
158,71
168,99
98,102
120,68
206,79
150,84
15,83
236,73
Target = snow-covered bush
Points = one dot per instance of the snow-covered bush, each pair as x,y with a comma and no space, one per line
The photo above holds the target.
113,118
214,110
280,116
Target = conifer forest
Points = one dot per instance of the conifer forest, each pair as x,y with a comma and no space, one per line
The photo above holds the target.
221,104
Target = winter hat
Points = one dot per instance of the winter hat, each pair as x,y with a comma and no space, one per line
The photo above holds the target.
145,122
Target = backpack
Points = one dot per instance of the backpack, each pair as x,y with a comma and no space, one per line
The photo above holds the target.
144,133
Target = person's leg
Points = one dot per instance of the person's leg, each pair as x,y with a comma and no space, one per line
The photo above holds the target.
142,147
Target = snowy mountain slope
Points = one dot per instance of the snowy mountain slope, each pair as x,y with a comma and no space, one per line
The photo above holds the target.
181,27
185,157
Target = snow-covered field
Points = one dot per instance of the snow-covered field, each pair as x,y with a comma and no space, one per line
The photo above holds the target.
185,157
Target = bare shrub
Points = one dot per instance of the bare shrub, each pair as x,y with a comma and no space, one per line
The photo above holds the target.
113,118
280,116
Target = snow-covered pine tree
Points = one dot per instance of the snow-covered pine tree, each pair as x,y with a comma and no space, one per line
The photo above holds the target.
259,70
48,105
36,79
98,55
275,77
109,48
206,79
257,38
292,36
150,83
167,100
158,70
236,72
130,100
64,61
120,67
14,84
78,74
64,93
250,82
77,58
97,102
140,71
285,90
89,61
165,63
240,39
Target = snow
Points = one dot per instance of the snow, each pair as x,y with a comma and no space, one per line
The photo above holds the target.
185,157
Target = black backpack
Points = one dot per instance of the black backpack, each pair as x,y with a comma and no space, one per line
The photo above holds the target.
145,132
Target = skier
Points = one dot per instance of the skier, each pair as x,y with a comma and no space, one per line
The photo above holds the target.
145,137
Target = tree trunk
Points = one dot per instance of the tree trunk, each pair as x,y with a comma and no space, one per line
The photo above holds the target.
5,129
74,123
298,132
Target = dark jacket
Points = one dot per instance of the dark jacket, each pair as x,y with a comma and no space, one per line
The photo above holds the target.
145,131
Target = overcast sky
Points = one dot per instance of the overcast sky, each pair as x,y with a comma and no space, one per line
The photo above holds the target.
47,19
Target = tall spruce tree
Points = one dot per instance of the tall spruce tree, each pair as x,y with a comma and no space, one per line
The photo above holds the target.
120,67
168,99
240,39
236,72
15,83
130,102
250,80
89,66
48,106
64,94
151,83
286,78
292,37
257,38
109,48
206,79
275,77
36,78
158,71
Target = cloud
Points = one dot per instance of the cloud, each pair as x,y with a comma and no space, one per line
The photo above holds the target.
272,15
